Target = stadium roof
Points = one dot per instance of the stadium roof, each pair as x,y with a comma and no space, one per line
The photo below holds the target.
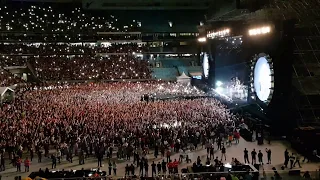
304,11
160,21
50,1
146,4
135,5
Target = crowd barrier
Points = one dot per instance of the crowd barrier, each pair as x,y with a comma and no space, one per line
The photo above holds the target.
262,175
102,80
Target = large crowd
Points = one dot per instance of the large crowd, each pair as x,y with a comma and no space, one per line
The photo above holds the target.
7,79
91,68
57,68
77,62
34,22
97,118
59,18
71,49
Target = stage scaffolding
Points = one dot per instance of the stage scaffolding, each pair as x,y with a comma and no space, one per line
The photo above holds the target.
306,74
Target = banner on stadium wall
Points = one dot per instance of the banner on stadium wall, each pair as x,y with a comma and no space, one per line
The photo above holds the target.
145,4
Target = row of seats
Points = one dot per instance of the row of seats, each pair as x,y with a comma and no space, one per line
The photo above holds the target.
88,67
67,48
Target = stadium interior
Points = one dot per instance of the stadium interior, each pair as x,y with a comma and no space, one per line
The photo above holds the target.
95,78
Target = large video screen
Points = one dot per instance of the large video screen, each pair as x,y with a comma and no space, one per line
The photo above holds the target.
205,65
262,79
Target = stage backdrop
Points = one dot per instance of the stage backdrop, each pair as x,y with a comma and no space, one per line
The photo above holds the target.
231,58
279,46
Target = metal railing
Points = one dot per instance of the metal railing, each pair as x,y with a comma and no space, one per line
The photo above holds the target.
262,175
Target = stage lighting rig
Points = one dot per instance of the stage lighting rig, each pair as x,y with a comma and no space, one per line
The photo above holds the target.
221,33
261,78
202,39
219,83
259,31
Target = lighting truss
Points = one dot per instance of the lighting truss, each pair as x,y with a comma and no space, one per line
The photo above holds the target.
305,11
259,31
202,39
222,33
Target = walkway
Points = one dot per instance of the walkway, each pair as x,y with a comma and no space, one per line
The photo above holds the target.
235,151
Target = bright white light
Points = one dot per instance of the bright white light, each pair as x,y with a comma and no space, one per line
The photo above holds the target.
202,39
205,65
221,33
262,79
219,83
219,89
257,31
228,165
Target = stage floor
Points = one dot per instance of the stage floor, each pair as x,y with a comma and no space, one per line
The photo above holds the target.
235,150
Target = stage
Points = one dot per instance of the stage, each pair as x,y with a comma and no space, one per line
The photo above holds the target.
231,103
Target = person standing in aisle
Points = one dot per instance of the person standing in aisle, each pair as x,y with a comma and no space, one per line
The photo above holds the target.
2,163
297,161
146,168
54,161
254,157
260,157
100,157
246,156
292,158
286,158
141,167
153,168
59,156
114,166
110,168
211,151
31,153
132,169
219,143
223,153
159,168
39,156
127,170
164,167
268,155
26,165
18,164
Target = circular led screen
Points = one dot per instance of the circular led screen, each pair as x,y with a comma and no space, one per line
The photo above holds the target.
205,65
262,79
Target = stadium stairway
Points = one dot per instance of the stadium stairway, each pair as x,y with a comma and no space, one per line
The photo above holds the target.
174,62
169,74
189,69
33,72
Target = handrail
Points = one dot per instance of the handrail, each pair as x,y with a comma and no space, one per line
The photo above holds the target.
188,174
